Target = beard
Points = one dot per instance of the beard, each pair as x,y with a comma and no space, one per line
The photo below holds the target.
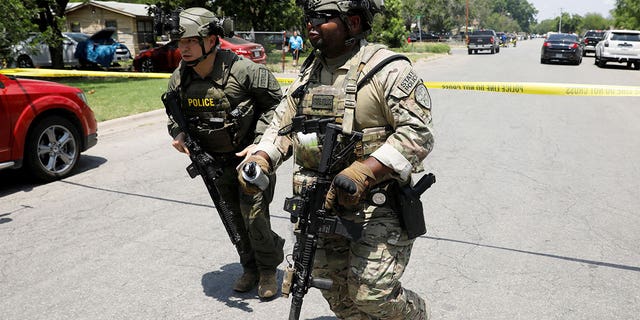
320,44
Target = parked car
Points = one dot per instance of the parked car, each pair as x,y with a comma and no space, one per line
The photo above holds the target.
78,50
166,58
44,126
483,40
561,47
423,36
247,49
31,53
621,46
589,41
101,49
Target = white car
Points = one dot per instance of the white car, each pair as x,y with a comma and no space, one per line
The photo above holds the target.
34,55
78,50
621,46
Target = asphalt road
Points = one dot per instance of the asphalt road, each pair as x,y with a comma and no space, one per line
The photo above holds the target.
535,214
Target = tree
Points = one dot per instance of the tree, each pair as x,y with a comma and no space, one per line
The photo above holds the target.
570,22
545,26
16,29
594,21
626,14
388,28
50,22
265,15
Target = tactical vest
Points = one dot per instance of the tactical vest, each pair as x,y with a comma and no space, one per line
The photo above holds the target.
219,126
338,100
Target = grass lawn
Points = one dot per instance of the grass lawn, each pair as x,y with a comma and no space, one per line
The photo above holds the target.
112,98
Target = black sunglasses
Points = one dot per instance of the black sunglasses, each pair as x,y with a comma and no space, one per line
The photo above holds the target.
318,18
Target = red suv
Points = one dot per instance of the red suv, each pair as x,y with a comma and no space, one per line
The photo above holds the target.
167,57
43,126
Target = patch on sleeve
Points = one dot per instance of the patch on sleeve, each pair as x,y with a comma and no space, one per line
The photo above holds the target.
263,78
408,82
422,97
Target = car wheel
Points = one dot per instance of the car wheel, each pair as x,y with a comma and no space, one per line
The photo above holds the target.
493,50
636,65
52,149
543,61
146,65
601,63
469,51
24,61
498,50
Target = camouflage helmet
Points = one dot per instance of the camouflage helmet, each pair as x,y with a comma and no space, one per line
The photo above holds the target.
200,22
366,8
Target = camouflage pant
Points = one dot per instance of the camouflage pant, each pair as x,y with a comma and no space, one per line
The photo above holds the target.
263,248
366,273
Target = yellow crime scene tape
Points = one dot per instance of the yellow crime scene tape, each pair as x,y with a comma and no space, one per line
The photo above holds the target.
560,89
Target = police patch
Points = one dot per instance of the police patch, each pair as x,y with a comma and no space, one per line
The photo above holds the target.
409,81
422,97
263,78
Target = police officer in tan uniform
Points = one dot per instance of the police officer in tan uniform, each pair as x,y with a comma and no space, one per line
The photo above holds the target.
228,102
372,90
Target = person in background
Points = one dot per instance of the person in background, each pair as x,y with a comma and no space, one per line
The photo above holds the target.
296,44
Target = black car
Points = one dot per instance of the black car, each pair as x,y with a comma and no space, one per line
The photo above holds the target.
561,47
589,41
423,36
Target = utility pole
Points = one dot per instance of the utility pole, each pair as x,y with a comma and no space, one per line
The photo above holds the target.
560,24
466,31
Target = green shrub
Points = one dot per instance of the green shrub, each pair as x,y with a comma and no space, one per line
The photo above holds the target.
425,47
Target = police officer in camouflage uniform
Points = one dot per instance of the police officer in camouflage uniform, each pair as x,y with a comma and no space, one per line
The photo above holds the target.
228,102
372,90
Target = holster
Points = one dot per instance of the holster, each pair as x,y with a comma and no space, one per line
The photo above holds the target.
411,212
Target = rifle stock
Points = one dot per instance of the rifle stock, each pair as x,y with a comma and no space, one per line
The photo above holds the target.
204,165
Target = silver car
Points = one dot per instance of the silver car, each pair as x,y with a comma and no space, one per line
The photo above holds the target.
78,50
30,54
621,46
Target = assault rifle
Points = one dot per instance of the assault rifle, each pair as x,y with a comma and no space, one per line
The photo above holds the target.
309,212
204,165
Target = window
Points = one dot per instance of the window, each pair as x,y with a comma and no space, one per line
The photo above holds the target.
145,32
75,27
111,24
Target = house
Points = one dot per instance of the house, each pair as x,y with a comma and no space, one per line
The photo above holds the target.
132,22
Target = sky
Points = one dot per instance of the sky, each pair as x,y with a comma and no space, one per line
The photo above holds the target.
549,9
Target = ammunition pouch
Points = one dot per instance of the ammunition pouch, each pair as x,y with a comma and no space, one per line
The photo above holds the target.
223,133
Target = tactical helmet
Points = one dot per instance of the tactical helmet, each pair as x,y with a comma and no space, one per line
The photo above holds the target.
366,8
200,22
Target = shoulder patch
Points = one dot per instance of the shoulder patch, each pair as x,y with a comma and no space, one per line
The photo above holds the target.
422,97
408,82
263,78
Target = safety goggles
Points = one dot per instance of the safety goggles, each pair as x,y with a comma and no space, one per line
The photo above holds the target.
320,17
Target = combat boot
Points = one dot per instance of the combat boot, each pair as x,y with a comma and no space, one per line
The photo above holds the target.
267,287
247,281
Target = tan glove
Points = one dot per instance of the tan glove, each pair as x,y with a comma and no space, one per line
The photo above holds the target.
350,185
249,188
